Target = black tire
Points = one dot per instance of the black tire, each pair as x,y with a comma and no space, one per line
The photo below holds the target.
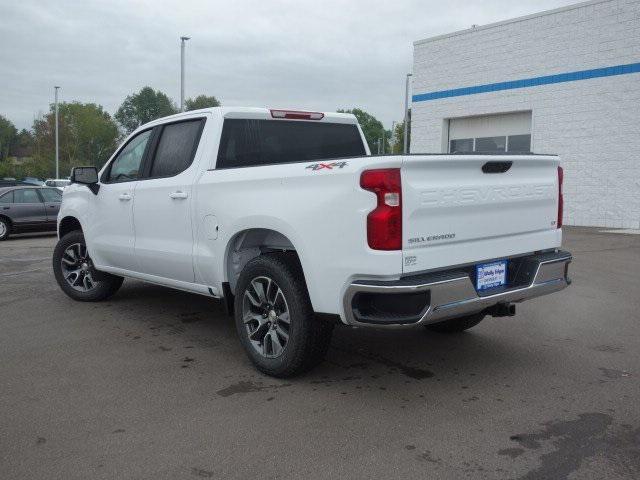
308,337
5,228
456,325
104,284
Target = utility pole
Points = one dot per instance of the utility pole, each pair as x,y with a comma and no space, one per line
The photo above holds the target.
182,42
406,114
56,88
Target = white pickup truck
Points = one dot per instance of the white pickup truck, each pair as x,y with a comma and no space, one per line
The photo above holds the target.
286,217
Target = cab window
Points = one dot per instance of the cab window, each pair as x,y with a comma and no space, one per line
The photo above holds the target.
176,148
127,164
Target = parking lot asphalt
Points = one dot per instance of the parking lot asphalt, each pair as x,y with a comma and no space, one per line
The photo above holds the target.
153,384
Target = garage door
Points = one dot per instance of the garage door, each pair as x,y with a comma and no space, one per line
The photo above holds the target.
506,132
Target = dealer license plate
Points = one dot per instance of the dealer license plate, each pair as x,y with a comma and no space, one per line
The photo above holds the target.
491,275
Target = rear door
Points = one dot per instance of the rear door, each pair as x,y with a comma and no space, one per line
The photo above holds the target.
52,198
27,209
461,209
162,209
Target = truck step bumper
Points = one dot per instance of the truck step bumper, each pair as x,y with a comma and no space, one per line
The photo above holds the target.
433,297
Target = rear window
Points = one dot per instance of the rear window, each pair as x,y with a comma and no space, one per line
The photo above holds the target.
249,143
51,194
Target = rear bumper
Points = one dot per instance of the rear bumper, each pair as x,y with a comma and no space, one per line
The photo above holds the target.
433,297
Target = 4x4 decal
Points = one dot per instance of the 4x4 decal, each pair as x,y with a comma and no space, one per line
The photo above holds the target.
328,166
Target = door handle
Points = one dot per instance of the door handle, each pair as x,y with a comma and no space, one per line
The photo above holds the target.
125,197
178,195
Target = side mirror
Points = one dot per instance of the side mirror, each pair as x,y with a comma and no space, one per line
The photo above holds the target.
86,176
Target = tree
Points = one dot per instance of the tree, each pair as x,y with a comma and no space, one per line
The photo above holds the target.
398,136
142,107
372,129
23,145
201,101
8,134
88,136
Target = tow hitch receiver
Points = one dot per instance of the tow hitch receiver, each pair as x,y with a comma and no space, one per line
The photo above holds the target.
502,309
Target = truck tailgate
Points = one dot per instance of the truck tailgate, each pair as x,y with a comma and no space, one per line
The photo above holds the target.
460,209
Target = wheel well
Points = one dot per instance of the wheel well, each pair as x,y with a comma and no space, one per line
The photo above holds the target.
67,225
247,245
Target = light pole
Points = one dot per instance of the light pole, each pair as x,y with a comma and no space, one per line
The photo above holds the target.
406,114
56,88
182,42
392,139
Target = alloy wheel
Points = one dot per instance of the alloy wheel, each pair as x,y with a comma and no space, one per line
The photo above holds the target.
77,268
265,314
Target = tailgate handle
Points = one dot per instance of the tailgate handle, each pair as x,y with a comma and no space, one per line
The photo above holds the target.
496,167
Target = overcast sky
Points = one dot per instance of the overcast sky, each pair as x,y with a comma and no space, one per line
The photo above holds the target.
319,55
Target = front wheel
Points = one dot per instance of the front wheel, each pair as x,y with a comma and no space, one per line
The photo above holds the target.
274,317
75,273
456,325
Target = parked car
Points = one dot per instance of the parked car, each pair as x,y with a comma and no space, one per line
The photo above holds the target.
33,181
12,182
59,183
28,209
285,217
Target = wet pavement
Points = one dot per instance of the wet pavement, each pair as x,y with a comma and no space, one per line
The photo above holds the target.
153,384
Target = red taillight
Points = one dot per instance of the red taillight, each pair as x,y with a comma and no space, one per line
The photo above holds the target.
295,115
384,224
560,198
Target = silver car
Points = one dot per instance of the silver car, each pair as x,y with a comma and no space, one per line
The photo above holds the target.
28,209
59,183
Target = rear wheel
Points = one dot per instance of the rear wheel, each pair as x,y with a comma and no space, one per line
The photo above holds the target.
5,228
274,317
456,325
75,273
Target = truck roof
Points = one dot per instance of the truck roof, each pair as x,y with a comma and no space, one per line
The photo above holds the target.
258,113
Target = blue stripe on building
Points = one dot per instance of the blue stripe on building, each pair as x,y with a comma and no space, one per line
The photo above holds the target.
530,82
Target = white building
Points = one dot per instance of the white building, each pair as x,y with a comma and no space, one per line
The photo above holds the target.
564,81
